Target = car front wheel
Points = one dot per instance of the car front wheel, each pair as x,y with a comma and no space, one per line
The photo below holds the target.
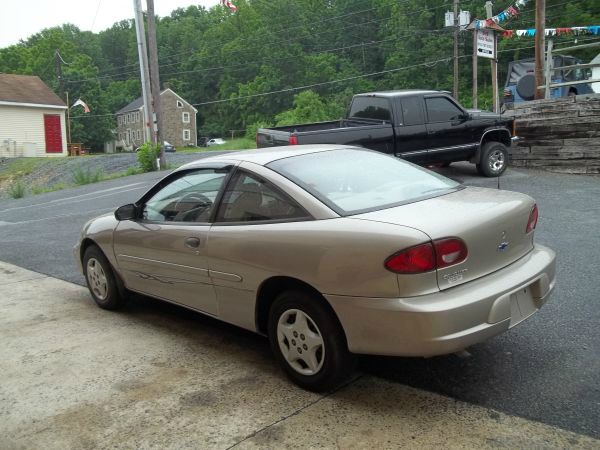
494,159
308,341
101,280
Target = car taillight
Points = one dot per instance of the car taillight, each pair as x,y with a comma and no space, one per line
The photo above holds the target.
533,218
412,260
293,140
449,251
427,257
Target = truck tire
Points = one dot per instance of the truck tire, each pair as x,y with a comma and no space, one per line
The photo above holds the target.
494,159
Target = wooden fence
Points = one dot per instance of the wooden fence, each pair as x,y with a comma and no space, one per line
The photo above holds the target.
559,135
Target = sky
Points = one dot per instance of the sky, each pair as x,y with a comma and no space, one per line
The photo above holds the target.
22,18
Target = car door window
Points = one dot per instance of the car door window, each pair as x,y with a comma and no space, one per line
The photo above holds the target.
412,111
440,109
188,198
250,199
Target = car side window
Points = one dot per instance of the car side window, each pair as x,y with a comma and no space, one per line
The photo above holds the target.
188,198
250,199
412,111
440,109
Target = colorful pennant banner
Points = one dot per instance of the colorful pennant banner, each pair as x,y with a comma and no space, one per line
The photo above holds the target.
594,29
508,13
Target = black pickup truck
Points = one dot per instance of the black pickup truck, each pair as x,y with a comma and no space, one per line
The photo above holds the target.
425,127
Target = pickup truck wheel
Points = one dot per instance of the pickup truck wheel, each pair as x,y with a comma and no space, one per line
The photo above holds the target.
494,158
101,280
308,341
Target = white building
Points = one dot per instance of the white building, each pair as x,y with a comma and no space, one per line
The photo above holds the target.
32,118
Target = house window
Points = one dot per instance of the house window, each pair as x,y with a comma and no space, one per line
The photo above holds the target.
186,135
139,135
137,117
119,120
185,117
179,104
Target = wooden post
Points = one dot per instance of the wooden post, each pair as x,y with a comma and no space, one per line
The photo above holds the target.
474,69
68,121
548,72
540,30
144,75
494,62
155,81
456,28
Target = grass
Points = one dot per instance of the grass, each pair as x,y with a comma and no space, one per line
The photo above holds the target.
14,168
86,176
16,190
233,144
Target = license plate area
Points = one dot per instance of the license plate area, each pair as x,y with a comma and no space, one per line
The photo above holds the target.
522,305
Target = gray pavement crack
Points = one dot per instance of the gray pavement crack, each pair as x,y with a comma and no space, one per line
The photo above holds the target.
298,411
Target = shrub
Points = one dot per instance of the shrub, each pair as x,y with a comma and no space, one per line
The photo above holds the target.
253,128
16,190
131,171
147,155
87,176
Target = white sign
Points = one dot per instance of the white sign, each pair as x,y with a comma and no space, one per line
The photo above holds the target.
486,47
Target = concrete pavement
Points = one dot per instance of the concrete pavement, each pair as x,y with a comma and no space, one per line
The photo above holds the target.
158,376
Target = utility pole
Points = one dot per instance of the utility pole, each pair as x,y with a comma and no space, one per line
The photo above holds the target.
540,31
456,28
475,68
494,62
155,80
58,70
143,56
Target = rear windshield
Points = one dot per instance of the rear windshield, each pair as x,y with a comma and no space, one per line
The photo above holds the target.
357,181
370,108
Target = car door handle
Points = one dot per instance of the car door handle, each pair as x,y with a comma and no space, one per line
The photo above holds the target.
192,242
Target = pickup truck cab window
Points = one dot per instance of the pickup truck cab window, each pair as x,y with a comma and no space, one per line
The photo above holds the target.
412,111
441,109
371,108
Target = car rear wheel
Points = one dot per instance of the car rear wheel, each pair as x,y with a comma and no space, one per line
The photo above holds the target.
494,159
101,280
309,342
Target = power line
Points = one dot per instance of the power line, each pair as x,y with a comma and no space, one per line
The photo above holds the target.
297,88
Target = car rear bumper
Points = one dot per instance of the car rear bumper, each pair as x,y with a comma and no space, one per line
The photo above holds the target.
450,320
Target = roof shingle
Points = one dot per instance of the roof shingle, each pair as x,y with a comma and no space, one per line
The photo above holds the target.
27,89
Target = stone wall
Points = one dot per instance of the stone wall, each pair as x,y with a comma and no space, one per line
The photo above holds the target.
559,135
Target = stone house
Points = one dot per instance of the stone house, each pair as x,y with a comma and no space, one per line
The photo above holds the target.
32,118
179,122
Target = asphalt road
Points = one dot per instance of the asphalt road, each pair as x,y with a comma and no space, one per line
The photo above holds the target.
546,369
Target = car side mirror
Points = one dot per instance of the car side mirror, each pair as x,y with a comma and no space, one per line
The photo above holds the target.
126,212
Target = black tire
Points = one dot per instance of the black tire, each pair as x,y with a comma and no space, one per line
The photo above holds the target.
494,159
526,87
101,280
333,362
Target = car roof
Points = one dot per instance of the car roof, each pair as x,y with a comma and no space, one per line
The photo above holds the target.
264,156
400,93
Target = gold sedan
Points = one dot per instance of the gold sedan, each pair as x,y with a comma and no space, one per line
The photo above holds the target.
330,251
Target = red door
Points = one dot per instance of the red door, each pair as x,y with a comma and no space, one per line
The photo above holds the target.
53,133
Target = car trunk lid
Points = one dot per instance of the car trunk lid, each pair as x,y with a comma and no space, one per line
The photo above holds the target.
492,223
